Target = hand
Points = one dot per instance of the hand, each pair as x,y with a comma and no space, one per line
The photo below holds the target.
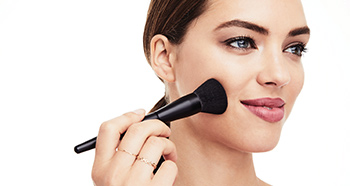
137,153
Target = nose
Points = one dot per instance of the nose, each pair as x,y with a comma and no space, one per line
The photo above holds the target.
274,71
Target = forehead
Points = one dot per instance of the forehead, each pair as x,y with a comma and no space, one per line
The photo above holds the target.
276,15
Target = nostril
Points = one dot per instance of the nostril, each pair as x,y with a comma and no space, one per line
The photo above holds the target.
270,83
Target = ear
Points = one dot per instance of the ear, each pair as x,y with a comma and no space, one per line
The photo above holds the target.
161,58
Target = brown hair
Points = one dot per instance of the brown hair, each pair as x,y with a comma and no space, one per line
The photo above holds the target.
170,18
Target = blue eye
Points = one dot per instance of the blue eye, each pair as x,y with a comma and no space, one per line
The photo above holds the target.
297,49
241,42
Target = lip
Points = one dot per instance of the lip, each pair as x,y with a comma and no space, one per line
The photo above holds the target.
268,109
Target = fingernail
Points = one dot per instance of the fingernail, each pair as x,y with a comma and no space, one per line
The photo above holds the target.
138,111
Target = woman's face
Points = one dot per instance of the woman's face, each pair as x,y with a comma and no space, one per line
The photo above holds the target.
254,49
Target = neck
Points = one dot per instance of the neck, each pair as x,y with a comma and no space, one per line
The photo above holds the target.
204,162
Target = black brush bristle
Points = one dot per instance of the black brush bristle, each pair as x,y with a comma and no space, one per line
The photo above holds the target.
213,97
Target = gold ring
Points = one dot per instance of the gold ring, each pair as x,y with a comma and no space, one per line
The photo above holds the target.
122,150
144,160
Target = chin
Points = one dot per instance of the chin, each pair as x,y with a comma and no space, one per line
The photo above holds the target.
264,147
260,143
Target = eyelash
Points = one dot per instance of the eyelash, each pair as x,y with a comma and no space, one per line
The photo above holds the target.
251,45
301,49
249,40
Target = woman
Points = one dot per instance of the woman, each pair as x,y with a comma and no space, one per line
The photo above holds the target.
254,49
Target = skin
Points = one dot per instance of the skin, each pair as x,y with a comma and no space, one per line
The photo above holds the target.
215,148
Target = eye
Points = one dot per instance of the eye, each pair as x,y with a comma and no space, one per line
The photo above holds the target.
241,42
296,49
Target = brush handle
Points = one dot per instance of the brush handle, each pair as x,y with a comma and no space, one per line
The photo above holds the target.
183,107
91,144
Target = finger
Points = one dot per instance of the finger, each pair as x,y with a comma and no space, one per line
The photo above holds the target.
137,134
150,154
109,133
166,174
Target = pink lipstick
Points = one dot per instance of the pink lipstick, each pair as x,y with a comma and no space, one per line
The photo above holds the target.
268,109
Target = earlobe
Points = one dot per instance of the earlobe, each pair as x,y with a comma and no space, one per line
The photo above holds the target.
161,60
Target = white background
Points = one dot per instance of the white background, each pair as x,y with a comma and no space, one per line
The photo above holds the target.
66,66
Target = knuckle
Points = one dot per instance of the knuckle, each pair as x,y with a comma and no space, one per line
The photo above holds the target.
128,114
107,126
136,129
103,179
96,176
157,123
129,117
159,126
111,125
155,141
171,144
133,181
126,118
107,176
170,165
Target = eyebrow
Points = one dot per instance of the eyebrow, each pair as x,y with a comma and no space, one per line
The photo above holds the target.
299,31
260,29
243,24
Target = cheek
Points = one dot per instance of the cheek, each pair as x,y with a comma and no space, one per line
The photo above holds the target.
295,86
196,64
297,82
